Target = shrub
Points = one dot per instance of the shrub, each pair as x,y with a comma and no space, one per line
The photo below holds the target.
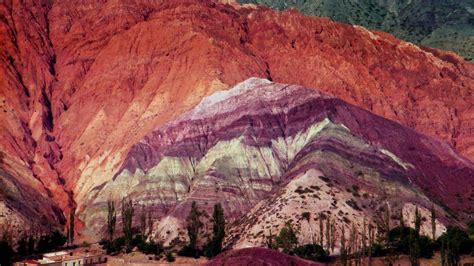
188,251
454,243
399,240
287,239
470,227
113,246
427,247
378,250
170,257
6,252
312,252
149,248
51,242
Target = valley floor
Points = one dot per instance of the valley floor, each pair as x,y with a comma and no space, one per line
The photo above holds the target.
404,261
138,259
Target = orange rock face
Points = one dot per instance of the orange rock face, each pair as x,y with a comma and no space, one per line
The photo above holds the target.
81,83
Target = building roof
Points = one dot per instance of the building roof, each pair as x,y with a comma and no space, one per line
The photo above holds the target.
28,262
64,256
54,254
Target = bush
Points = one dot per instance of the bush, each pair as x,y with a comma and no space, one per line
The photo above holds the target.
6,252
399,240
427,247
458,239
378,250
470,228
188,251
311,252
137,240
113,247
149,248
170,257
51,242
57,239
287,239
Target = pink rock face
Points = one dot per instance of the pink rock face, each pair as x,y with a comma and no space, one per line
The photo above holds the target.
245,146
81,83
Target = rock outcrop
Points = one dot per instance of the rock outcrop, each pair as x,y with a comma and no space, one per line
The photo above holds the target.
269,152
83,82
258,257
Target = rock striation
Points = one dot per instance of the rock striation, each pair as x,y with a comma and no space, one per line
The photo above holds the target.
269,152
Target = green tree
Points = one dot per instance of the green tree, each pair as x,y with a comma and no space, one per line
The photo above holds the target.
22,244
312,252
31,244
214,247
70,236
194,225
270,240
343,244
143,221
401,241
127,220
307,216
470,229
44,244
50,241
170,257
57,239
150,223
321,229
454,243
433,223
402,220
287,239
6,252
414,243
111,219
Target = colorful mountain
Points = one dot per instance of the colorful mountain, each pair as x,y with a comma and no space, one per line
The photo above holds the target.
82,83
269,152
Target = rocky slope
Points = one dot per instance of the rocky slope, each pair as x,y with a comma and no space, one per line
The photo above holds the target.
258,257
445,25
278,151
82,82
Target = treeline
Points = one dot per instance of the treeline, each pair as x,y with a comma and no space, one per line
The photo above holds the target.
28,245
381,240
130,237
139,236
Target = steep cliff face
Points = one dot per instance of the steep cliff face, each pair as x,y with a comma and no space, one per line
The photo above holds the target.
282,150
31,192
81,83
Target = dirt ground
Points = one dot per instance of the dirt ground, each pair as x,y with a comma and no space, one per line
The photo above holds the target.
404,261
138,259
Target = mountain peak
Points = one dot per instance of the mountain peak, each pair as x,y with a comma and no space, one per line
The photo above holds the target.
220,96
